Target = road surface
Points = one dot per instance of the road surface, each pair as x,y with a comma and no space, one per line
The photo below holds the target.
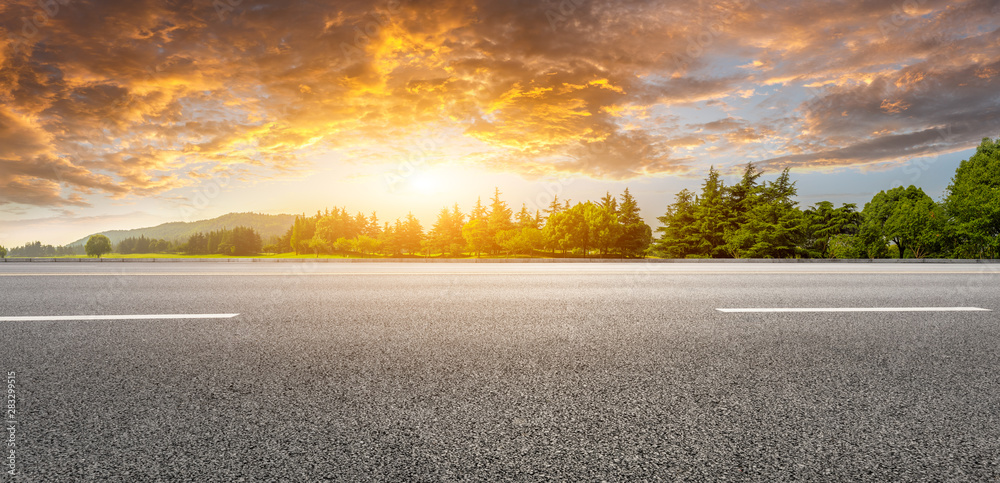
502,372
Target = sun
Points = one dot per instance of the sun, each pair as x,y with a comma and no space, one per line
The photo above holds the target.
426,183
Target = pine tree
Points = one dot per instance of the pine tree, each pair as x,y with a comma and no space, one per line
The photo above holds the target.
679,236
500,213
412,235
609,202
456,242
440,235
773,226
373,229
711,216
554,208
636,235
524,218
478,211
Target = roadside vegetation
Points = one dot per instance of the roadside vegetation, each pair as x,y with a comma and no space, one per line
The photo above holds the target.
610,227
748,219
751,219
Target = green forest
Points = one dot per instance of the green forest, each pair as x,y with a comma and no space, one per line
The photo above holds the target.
240,241
748,219
609,227
761,220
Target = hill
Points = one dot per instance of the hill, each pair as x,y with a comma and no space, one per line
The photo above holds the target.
266,225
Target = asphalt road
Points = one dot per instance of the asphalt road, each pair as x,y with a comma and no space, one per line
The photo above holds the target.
490,372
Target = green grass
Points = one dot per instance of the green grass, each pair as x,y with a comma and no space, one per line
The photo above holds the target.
178,255
147,255
336,256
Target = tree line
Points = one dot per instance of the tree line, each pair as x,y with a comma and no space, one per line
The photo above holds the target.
753,219
608,227
141,244
239,241
37,250
749,219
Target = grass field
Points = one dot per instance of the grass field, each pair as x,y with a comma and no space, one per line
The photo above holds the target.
293,255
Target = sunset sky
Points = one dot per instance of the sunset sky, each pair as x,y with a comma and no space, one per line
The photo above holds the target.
127,113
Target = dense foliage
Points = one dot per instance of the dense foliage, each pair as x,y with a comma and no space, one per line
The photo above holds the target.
761,220
98,245
238,241
142,245
608,227
36,250
747,220
972,204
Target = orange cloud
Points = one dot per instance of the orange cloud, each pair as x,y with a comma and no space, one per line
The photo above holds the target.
894,107
140,97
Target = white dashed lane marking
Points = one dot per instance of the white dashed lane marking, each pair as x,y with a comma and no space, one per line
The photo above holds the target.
43,318
858,309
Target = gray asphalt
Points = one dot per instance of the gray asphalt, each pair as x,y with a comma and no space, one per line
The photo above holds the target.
524,372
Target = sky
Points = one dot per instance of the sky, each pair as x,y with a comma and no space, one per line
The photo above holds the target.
119,114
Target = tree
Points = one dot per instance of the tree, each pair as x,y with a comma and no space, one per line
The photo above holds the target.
972,203
366,245
477,236
568,229
225,249
823,222
609,202
388,239
3,252
507,240
439,237
303,230
318,244
411,234
524,218
743,196
846,246
678,234
373,229
98,245
478,211
711,216
522,241
529,240
602,227
499,218
446,234
284,243
244,240
556,232
887,218
554,208
921,223
636,235
456,240
337,224
344,244
772,226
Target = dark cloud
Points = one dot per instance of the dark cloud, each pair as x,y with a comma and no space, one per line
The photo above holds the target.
929,142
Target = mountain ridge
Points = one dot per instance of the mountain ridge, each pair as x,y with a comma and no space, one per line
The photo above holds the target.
266,225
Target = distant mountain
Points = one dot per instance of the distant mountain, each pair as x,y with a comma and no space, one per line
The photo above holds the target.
266,225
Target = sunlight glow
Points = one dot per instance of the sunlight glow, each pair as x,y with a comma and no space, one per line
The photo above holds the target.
427,183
